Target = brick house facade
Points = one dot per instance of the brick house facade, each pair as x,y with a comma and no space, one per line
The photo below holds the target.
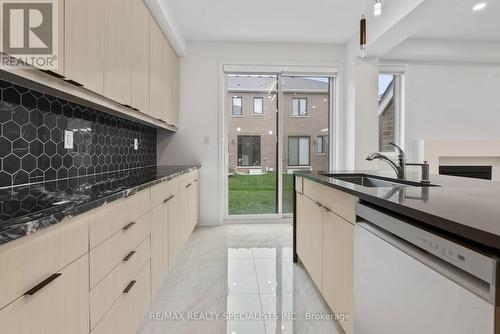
252,140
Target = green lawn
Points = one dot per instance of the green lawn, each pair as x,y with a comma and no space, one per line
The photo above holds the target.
256,194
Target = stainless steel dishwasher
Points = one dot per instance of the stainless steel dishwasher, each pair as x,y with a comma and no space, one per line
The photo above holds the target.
413,281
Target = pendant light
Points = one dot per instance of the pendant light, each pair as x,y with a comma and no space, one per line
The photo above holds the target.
362,35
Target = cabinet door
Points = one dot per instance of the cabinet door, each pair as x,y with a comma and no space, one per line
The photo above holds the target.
159,245
338,265
60,307
117,61
84,43
166,81
174,228
139,50
309,237
175,86
155,70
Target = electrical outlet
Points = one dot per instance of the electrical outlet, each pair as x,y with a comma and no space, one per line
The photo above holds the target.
68,139
136,144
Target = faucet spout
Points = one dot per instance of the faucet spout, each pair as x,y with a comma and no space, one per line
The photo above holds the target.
398,168
379,156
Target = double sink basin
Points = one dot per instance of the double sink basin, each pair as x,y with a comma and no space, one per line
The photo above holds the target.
373,181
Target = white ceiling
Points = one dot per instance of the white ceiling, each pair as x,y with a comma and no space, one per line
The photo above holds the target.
464,24
295,21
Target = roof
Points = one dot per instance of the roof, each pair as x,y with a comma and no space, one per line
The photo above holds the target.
257,83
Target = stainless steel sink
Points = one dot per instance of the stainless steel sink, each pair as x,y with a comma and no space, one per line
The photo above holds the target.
372,181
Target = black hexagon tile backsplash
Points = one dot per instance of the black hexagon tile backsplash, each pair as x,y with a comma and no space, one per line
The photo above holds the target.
32,126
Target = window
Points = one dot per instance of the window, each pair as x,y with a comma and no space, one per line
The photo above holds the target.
248,151
237,110
298,151
389,110
299,107
320,145
258,105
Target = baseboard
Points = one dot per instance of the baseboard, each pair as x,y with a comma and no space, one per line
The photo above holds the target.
208,222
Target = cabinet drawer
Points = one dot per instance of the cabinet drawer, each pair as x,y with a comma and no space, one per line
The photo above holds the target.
343,204
60,307
109,219
189,178
107,255
110,288
126,314
163,191
27,261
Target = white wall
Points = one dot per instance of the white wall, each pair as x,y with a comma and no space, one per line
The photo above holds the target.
446,101
200,109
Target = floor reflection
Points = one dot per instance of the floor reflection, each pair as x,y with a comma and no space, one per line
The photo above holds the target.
238,279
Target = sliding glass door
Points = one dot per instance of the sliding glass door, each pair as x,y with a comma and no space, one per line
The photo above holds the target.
274,124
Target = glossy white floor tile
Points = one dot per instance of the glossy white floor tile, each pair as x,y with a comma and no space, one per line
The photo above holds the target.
238,279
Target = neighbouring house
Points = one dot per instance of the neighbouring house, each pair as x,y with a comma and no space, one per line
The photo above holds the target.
252,106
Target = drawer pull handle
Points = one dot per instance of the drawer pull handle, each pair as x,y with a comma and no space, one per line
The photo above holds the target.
189,185
168,199
129,287
196,180
129,255
42,284
129,225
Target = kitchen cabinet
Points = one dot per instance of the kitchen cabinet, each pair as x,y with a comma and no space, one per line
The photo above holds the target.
117,50
97,272
127,313
325,219
162,218
139,51
338,265
59,307
309,237
156,71
84,43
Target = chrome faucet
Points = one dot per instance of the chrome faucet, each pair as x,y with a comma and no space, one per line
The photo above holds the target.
399,168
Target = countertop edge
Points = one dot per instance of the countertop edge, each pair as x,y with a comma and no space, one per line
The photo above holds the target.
42,220
474,235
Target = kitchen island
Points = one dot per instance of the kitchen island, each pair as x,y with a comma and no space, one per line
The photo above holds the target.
326,224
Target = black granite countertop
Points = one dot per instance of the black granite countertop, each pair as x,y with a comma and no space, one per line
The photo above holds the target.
28,208
464,207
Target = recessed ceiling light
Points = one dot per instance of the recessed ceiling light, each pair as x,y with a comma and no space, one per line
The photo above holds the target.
478,7
377,8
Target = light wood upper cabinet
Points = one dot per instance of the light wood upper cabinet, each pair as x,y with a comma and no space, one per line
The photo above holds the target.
140,56
84,43
338,265
156,60
117,52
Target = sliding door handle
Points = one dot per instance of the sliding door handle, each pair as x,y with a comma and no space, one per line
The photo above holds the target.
42,284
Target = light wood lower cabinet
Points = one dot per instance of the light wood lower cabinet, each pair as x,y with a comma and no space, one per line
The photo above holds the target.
309,237
60,307
26,262
97,272
127,312
338,265
325,244
162,217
